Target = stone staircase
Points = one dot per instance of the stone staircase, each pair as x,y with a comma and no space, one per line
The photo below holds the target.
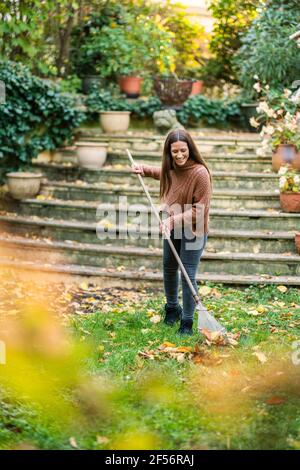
251,241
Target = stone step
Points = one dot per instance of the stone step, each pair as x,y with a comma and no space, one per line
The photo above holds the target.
216,162
123,175
214,135
235,199
79,231
221,162
127,257
129,278
241,143
121,213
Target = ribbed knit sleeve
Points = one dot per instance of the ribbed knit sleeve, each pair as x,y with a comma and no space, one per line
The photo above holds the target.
151,171
197,215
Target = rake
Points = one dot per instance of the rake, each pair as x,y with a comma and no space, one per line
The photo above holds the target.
205,319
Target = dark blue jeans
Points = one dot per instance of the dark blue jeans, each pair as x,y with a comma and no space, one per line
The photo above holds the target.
190,251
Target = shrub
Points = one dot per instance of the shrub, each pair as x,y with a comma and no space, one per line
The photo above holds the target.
231,18
267,54
126,44
211,111
36,116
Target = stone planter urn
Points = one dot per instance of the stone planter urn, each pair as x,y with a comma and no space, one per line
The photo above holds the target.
290,202
115,121
23,184
91,155
297,242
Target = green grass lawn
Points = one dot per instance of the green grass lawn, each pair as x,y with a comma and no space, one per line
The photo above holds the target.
137,395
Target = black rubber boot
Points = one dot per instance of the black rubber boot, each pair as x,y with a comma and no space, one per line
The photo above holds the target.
172,314
186,327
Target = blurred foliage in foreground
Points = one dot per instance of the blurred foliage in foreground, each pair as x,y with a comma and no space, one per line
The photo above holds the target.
119,378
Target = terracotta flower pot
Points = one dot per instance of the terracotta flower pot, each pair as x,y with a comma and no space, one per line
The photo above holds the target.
115,121
131,86
286,154
91,154
23,185
197,87
297,242
290,202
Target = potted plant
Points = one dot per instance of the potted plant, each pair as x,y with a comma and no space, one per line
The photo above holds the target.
281,132
289,185
23,184
130,85
282,137
125,47
194,74
197,87
114,111
91,155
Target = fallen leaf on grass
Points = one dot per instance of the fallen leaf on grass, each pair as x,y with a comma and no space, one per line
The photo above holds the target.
282,289
166,344
260,356
279,304
147,354
204,290
216,293
73,442
216,338
184,349
180,357
102,440
155,319
275,400
259,311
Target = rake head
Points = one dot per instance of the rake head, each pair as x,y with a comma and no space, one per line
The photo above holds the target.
207,321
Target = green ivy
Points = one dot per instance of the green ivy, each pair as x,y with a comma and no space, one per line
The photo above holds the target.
104,100
36,116
210,111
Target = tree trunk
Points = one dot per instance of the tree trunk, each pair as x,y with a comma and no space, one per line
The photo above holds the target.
64,39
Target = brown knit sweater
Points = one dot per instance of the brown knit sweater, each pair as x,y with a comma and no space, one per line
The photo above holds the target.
190,185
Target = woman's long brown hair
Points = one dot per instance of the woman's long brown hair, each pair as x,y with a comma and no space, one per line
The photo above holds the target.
167,161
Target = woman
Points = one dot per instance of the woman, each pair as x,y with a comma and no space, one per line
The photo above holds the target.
185,191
